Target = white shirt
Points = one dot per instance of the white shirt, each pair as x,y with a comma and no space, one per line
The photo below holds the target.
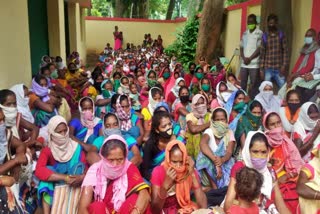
316,70
250,42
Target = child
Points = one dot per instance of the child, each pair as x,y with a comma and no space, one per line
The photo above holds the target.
248,185
134,95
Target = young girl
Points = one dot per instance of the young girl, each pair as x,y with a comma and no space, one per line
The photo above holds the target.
249,183
134,96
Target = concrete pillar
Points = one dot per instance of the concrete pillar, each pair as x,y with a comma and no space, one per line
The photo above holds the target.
15,57
74,27
56,28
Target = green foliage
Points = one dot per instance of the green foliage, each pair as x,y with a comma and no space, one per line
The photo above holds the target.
232,2
184,47
101,8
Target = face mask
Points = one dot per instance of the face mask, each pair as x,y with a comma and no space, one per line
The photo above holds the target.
54,74
117,82
184,99
11,115
112,171
78,66
294,107
225,96
133,67
205,87
152,83
259,163
166,134
251,26
114,131
199,76
60,139
201,108
267,95
192,71
88,115
166,75
239,107
308,40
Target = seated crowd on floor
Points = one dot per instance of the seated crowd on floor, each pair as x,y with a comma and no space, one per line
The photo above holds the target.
143,133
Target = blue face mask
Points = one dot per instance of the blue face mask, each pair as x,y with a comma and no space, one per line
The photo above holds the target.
114,131
308,40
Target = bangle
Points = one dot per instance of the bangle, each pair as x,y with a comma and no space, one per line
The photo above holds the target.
315,195
67,179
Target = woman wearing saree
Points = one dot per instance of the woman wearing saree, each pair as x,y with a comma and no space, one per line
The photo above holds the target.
255,153
154,149
198,120
222,96
214,161
306,130
289,114
130,123
61,162
173,181
268,100
114,184
284,157
117,39
174,94
250,121
181,107
308,186
103,100
88,127
235,108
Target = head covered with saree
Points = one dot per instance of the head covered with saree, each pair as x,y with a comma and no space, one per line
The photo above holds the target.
220,129
277,137
101,172
183,179
123,115
62,146
304,118
175,89
199,110
248,161
152,102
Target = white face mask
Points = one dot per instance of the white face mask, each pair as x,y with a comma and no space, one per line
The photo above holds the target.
267,95
10,114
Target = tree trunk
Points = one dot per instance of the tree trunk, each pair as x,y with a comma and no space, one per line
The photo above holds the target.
143,9
119,8
209,29
283,10
170,9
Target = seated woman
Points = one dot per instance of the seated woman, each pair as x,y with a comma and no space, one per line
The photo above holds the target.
235,108
155,96
62,161
173,181
114,184
181,107
88,127
130,123
284,157
232,82
151,78
303,76
103,100
198,120
21,91
154,148
111,125
214,161
22,129
42,104
206,89
9,186
124,86
174,94
289,114
269,101
222,96
308,185
306,130
250,121
195,82
255,155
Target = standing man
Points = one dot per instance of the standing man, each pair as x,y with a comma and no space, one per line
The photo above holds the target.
250,51
274,58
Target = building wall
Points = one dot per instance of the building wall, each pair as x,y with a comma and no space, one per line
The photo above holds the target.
15,57
99,32
301,18
56,28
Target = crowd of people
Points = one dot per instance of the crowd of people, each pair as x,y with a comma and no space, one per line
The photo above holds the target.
143,133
